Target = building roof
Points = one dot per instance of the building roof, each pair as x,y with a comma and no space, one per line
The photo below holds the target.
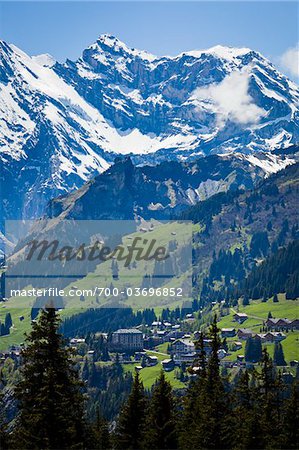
185,342
241,314
127,331
275,321
245,330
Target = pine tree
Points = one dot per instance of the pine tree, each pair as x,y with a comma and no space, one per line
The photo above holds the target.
253,350
269,403
190,424
278,357
3,427
131,420
51,405
100,436
8,321
291,420
161,424
216,409
245,430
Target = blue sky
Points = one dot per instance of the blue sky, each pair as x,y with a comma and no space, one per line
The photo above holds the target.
63,29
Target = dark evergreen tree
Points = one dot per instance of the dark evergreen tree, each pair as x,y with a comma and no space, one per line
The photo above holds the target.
278,357
245,430
3,425
8,321
99,434
253,350
160,430
291,420
269,404
51,405
130,426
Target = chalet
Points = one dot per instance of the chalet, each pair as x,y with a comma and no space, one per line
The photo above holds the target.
168,364
287,378
277,324
271,336
151,360
236,346
197,335
295,324
156,324
182,346
294,363
139,356
240,317
186,358
221,353
174,334
228,332
244,333
77,341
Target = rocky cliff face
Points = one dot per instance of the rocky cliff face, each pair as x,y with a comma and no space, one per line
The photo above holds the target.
126,191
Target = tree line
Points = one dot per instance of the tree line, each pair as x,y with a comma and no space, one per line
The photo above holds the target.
257,410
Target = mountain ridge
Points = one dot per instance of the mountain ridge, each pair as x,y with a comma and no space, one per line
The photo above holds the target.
64,123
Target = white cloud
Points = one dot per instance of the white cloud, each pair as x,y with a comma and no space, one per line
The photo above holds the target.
231,100
290,60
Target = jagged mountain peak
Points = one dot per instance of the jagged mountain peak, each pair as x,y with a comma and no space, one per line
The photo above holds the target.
107,44
63,123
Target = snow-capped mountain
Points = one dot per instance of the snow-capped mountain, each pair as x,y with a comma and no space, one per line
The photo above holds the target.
62,123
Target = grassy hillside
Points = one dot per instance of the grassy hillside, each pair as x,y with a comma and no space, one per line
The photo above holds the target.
257,312
149,374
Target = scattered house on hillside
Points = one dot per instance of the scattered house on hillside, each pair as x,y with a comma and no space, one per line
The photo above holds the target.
228,332
156,324
90,354
294,363
139,356
244,333
77,341
277,324
236,346
197,335
221,353
240,317
287,378
186,358
190,318
295,324
271,336
151,360
168,364
182,346
174,334
129,339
